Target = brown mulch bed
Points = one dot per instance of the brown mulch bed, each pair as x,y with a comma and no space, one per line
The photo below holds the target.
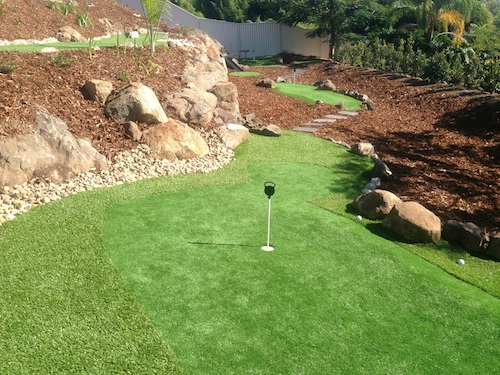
442,143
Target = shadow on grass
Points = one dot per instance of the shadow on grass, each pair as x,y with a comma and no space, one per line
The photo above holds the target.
223,244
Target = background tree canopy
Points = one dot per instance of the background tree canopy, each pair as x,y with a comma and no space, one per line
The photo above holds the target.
456,41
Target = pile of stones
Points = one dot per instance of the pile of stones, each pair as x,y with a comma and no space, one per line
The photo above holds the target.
413,221
126,167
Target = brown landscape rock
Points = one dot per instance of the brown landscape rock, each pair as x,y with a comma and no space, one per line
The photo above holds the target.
135,102
174,140
414,222
376,204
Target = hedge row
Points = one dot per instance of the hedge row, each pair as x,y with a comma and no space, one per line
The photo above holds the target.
459,66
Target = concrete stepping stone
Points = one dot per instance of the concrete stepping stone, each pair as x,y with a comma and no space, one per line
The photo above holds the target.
313,124
336,117
348,113
324,120
305,129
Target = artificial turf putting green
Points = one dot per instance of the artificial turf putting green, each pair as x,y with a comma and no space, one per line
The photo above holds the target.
246,74
332,297
111,41
310,94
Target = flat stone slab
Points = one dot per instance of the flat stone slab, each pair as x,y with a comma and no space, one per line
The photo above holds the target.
305,129
336,117
313,124
348,113
324,120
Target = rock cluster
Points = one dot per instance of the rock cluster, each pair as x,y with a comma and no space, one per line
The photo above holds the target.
413,221
127,166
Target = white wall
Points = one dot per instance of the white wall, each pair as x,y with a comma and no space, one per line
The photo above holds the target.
260,39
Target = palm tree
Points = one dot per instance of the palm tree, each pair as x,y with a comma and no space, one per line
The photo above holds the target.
153,10
449,15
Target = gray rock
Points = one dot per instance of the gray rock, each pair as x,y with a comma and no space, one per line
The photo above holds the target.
414,222
53,152
174,140
135,102
376,204
471,236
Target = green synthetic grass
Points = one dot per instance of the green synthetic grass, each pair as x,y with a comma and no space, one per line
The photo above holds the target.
310,94
246,74
272,61
269,61
366,303
332,298
102,43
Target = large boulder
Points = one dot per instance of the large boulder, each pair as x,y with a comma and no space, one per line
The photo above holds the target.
192,105
52,152
414,222
376,204
471,236
174,140
232,135
135,102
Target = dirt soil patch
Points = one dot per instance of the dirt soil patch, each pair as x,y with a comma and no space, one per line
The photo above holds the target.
441,142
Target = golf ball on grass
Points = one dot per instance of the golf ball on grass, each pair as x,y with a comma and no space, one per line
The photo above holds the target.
461,261
359,217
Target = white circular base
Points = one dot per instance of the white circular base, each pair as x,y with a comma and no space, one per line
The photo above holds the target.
267,248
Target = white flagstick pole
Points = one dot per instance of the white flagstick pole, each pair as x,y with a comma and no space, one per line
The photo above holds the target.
268,247
268,220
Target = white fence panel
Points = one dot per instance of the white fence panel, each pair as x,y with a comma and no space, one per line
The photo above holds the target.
259,39
294,40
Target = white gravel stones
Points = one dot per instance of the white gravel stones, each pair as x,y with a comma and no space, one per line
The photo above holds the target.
127,166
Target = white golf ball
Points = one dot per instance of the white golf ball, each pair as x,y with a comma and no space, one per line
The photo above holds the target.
359,217
461,261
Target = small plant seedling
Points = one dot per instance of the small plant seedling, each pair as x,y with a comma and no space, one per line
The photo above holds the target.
122,76
7,67
61,60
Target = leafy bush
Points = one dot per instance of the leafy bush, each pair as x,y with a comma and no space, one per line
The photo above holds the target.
444,63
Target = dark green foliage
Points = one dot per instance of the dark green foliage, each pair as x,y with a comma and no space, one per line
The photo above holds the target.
459,66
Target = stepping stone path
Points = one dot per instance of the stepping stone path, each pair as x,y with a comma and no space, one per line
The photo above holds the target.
312,127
